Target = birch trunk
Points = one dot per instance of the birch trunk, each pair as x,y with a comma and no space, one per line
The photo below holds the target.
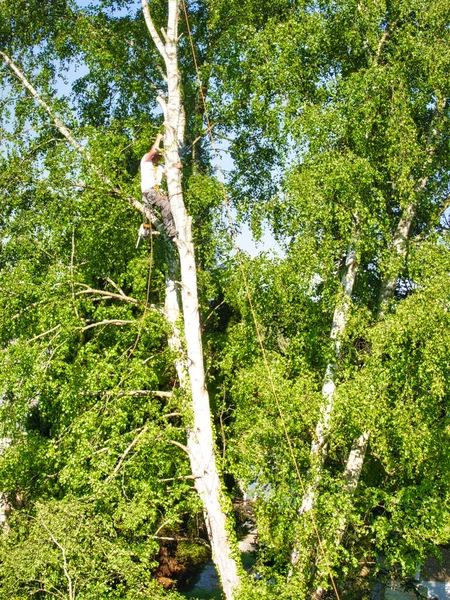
200,440
190,371
357,454
351,477
319,443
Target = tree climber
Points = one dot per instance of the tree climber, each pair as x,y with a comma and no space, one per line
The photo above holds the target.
151,175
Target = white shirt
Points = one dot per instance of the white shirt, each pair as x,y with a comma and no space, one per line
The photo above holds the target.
151,174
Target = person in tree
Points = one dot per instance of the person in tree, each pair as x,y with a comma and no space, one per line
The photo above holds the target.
152,172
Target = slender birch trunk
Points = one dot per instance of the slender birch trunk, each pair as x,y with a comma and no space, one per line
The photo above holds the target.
351,477
200,442
399,247
319,444
355,461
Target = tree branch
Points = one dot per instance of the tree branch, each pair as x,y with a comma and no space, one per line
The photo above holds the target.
106,322
137,394
71,587
66,132
124,455
152,29
120,297
177,478
59,124
43,334
184,448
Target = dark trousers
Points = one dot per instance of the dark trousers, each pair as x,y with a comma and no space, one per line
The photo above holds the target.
153,198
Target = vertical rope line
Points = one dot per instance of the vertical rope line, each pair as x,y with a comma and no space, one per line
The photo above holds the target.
252,310
149,279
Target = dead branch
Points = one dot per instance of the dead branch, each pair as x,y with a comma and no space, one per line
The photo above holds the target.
177,478
106,322
136,393
184,448
127,451
121,296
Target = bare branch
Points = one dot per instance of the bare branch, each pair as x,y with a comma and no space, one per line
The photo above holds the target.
59,124
120,290
45,333
136,393
120,297
177,478
106,322
71,587
177,539
127,451
184,448
143,393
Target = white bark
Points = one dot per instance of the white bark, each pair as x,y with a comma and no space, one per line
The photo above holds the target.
200,437
339,323
319,443
351,477
357,454
200,443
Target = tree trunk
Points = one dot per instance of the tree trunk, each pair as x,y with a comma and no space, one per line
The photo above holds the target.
200,440
319,443
357,454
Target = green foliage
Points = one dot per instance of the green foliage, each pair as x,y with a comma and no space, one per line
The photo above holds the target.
73,549
337,118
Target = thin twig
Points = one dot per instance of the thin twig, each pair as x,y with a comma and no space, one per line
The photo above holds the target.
71,587
127,451
43,334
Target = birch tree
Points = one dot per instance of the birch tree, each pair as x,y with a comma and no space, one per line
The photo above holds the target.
349,138
185,336
200,444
